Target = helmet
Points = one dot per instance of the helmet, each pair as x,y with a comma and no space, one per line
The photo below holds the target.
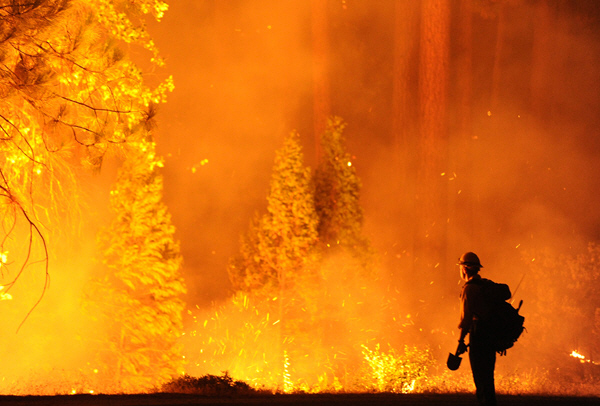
470,259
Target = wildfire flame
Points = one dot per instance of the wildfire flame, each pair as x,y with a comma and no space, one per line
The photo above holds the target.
582,358
4,295
575,354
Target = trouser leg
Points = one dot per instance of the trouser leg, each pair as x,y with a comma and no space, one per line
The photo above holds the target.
483,362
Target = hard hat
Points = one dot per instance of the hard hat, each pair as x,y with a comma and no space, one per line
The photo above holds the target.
470,259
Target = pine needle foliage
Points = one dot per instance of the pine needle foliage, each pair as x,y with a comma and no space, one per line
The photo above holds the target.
337,194
276,264
140,296
66,88
277,250
308,265
68,97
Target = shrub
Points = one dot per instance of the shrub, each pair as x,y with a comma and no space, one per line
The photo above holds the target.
207,385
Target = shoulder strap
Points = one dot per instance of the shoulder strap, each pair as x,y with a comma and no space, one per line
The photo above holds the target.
478,281
497,292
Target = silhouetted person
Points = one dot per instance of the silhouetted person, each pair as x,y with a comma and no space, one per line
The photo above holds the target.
475,321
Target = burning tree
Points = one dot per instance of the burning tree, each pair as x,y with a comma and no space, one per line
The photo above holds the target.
277,248
68,95
277,255
301,277
349,303
337,193
139,299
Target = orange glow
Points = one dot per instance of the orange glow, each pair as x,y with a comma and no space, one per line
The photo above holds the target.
347,283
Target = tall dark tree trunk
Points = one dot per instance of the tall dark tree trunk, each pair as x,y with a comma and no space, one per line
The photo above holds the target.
321,92
461,197
431,190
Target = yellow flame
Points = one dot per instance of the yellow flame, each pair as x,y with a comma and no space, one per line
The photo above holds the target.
582,358
408,388
288,385
3,295
575,354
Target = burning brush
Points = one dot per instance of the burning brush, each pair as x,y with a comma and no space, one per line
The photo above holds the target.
582,358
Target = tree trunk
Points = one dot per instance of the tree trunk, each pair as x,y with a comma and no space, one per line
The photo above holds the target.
461,197
321,94
432,176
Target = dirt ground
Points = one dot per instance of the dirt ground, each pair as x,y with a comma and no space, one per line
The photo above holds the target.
291,400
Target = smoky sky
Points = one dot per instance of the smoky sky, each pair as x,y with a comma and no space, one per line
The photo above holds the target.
242,72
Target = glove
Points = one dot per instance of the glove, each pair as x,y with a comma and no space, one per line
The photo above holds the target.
462,347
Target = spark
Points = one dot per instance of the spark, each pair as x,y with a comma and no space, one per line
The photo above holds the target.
195,167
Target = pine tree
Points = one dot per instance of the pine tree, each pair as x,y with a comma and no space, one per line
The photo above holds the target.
348,267
278,256
68,96
140,298
278,247
337,193
303,246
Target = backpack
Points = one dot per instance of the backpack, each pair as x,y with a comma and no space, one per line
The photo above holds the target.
505,323
507,326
